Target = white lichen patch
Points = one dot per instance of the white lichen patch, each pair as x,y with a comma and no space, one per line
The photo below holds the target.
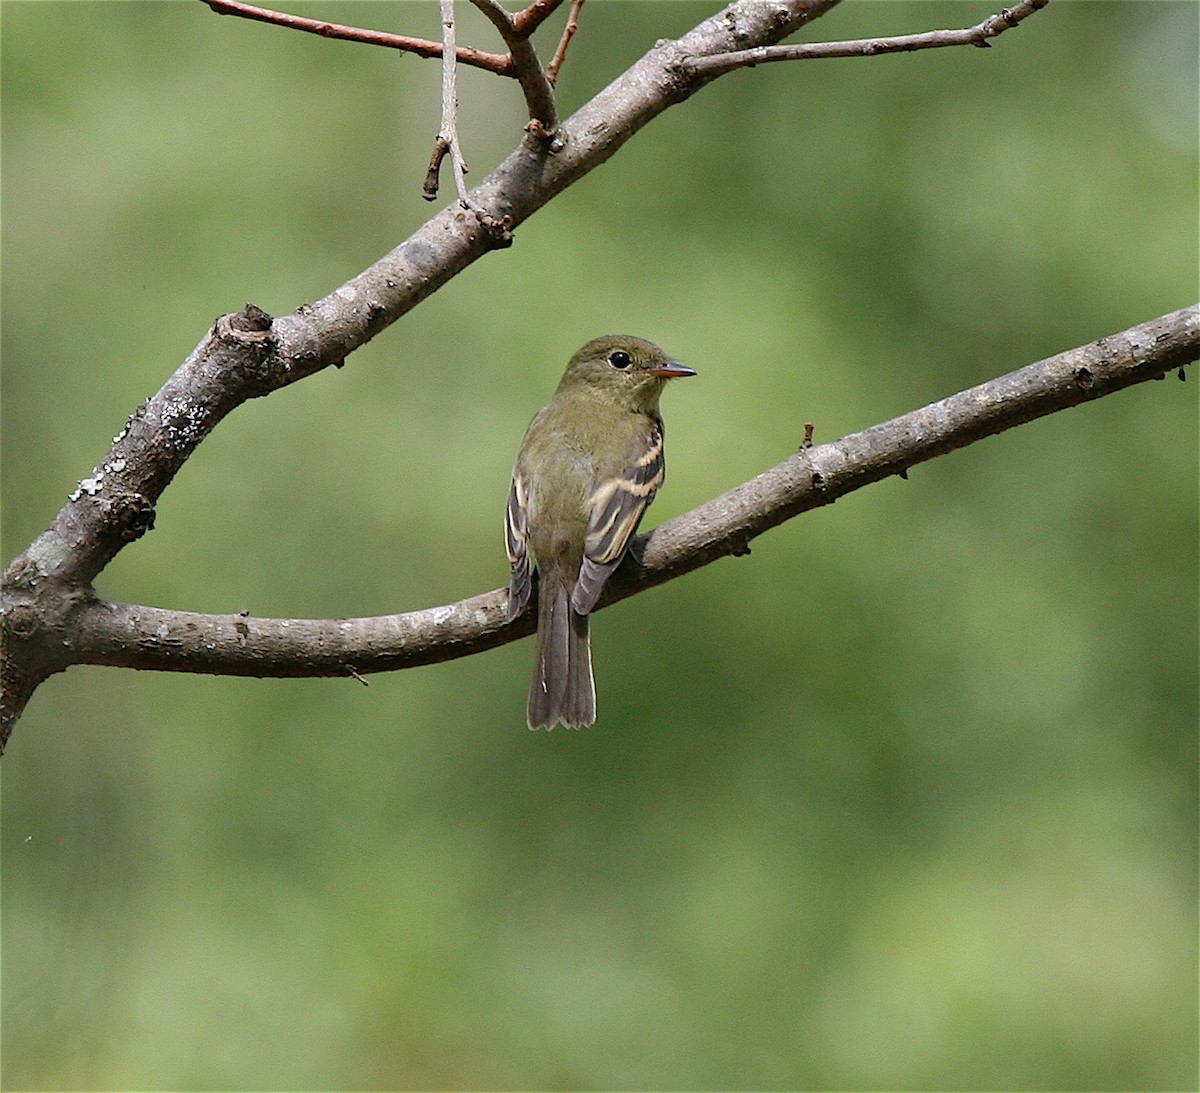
182,422
90,486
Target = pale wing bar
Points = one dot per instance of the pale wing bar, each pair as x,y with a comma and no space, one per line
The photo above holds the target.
617,507
516,532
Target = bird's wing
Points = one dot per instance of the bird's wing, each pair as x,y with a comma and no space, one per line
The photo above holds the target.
616,508
516,531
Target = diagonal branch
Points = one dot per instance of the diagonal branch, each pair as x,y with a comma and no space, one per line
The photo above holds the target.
527,21
539,92
130,636
978,35
560,54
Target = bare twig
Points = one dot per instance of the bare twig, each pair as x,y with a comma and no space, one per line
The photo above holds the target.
568,33
539,93
978,35
521,62
500,64
448,136
527,21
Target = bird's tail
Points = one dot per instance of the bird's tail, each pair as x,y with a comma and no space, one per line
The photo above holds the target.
562,689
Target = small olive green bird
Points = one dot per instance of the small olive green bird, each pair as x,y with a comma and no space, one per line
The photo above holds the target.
589,466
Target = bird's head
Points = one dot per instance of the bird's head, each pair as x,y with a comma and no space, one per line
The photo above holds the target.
628,370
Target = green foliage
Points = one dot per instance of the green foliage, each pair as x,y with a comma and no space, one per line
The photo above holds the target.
905,800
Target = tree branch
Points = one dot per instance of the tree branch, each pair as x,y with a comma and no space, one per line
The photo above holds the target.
521,62
560,54
498,63
527,21
539,92
977,35
128,636
447,138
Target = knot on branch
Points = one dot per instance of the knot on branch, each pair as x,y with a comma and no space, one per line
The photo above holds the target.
127,515
554,140
684,76
250,337
251,320
498,229
441,148
124,514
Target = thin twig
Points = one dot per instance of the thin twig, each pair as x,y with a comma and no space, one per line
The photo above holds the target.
520,63
539,93
449,132
501,64
527,21
978,35
561,52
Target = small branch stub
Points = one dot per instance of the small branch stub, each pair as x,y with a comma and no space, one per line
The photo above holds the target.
440,147
499,229
251,320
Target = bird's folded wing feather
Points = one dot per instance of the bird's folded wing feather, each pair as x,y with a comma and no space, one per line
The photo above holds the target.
516,532
616,508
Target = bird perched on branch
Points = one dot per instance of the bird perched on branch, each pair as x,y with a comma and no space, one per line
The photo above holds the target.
589,466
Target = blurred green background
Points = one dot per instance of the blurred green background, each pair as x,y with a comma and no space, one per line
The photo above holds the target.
905,800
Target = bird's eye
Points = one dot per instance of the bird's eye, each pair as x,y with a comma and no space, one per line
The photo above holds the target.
619,359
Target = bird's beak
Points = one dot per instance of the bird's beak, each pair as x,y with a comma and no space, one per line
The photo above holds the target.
671,370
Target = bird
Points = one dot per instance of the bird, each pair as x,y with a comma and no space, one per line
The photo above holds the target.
587,470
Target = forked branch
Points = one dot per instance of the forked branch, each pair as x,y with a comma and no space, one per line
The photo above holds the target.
539,93
447,138
520,62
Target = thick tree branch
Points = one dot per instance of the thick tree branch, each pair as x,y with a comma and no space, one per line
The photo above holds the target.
123,635
251,354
